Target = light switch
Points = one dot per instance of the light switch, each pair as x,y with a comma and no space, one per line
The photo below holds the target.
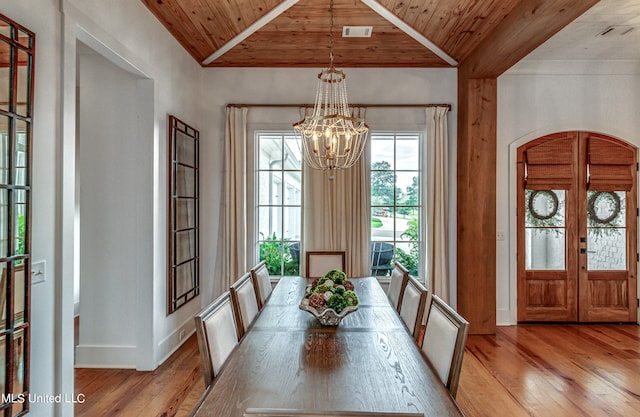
38,272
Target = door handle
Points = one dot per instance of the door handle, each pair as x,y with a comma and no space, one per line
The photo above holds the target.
584,251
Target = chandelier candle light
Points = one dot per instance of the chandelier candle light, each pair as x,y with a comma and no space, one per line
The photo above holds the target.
331,137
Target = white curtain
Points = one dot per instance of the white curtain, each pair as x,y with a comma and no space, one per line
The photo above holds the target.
234,239
337,212
437,215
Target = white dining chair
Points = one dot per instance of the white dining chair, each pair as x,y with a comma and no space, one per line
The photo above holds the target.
245,302
274,412
261,281
444,340
319,262
217,334
397,284
414,300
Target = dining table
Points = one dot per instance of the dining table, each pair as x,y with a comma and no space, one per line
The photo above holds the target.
288,360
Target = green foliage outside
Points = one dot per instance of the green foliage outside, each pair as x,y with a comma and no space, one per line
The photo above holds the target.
22,233
271,251
382,184
22,237
410,198
383,187
410,260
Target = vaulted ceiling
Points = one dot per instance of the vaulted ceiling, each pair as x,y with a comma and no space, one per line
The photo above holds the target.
295,33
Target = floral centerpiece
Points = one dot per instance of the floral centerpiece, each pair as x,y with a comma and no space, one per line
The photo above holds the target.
330,298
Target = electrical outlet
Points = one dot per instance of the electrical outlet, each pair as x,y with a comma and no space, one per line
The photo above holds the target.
38,270
182,332
499,235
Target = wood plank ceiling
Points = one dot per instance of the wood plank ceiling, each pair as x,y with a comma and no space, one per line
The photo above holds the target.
295,33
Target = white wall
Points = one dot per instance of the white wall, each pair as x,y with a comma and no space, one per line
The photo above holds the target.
131,37
114,167
297,86
535,99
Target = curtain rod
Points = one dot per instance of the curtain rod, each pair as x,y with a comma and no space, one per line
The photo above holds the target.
350,105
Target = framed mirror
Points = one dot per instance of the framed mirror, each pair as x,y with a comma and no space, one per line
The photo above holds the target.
184,215
16,117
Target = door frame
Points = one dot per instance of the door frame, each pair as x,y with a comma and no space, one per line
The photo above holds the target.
510,315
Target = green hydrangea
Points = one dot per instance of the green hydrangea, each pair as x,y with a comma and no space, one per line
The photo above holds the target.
350,298
336,302
321,289
337,276
340,290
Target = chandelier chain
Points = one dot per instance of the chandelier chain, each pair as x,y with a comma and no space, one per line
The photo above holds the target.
331,34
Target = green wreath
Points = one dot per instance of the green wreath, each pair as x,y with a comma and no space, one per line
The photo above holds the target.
591,207
552,195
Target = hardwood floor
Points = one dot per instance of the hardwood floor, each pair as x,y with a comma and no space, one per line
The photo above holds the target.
173,389
544,370
552,370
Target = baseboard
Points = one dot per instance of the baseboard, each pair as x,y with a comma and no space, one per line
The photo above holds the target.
503,318
171,343
96,356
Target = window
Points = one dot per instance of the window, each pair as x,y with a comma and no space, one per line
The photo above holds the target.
279,197
16,105
396,202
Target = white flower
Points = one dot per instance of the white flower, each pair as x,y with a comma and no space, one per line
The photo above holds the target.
327,295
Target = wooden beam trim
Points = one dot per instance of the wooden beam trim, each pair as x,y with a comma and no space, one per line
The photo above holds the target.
382,11
529,25
476,203
275,12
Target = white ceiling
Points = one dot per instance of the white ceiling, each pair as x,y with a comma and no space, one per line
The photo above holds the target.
580,40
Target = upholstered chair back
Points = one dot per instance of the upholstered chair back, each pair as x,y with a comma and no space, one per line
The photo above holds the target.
261,281
217,334
445,337
245,302
414,300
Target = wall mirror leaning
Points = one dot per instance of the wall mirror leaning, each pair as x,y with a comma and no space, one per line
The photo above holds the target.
16,109
183,214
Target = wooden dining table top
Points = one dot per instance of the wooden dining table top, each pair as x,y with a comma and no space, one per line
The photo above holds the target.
288,360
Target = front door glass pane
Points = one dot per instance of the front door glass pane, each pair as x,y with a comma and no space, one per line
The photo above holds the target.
545,237
606,230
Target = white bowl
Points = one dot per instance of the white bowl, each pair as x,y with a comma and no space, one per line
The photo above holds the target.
327,316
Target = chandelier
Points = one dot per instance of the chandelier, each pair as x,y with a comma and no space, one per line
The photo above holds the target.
332,138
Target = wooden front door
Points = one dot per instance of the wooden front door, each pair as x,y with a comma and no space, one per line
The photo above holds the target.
577,250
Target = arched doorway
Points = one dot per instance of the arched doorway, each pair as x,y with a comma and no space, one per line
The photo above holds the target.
577,236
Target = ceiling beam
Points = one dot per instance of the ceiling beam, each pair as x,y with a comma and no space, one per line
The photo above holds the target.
529,24
382,11
257,25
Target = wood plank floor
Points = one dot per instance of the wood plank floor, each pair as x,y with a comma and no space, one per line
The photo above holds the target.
526,370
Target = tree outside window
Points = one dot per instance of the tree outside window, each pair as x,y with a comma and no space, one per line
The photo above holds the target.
395,200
